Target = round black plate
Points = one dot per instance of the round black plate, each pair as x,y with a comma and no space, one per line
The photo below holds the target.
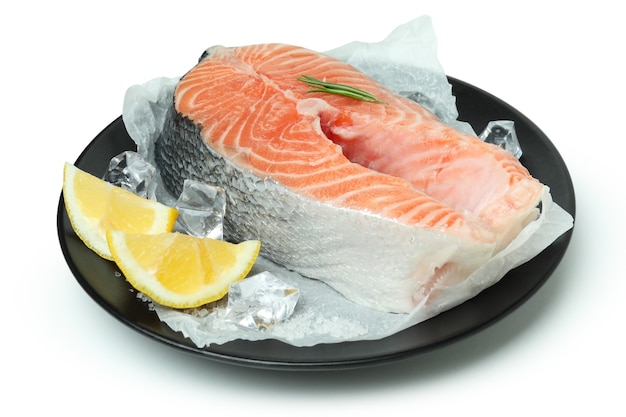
97,276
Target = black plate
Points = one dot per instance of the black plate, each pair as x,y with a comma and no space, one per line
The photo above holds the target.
96,275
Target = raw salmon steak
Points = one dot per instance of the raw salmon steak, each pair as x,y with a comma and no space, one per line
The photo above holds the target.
381,201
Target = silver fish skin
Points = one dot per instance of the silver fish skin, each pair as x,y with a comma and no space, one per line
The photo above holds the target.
373,261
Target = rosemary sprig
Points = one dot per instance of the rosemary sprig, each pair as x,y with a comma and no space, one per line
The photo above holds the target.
339,89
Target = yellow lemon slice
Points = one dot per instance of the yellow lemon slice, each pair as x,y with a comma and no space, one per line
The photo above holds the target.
95,206
178,270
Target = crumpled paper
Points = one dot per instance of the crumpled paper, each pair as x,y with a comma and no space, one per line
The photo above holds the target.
406,61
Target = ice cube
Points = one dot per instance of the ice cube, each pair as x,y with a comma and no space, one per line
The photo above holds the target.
502,133
130,171
260,301
201,208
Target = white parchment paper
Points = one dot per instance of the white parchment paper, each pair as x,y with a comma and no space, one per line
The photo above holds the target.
407,62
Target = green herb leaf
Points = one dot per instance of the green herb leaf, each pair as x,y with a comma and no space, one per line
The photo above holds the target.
339,89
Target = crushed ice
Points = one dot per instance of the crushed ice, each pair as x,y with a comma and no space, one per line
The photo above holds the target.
201,209
260,301
503,134
132,172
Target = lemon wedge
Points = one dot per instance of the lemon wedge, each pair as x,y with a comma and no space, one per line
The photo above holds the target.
95,206
178,270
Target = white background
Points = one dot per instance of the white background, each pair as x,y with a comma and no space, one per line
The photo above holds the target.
64,69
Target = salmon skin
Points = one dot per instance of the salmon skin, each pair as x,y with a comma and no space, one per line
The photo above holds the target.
383,202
